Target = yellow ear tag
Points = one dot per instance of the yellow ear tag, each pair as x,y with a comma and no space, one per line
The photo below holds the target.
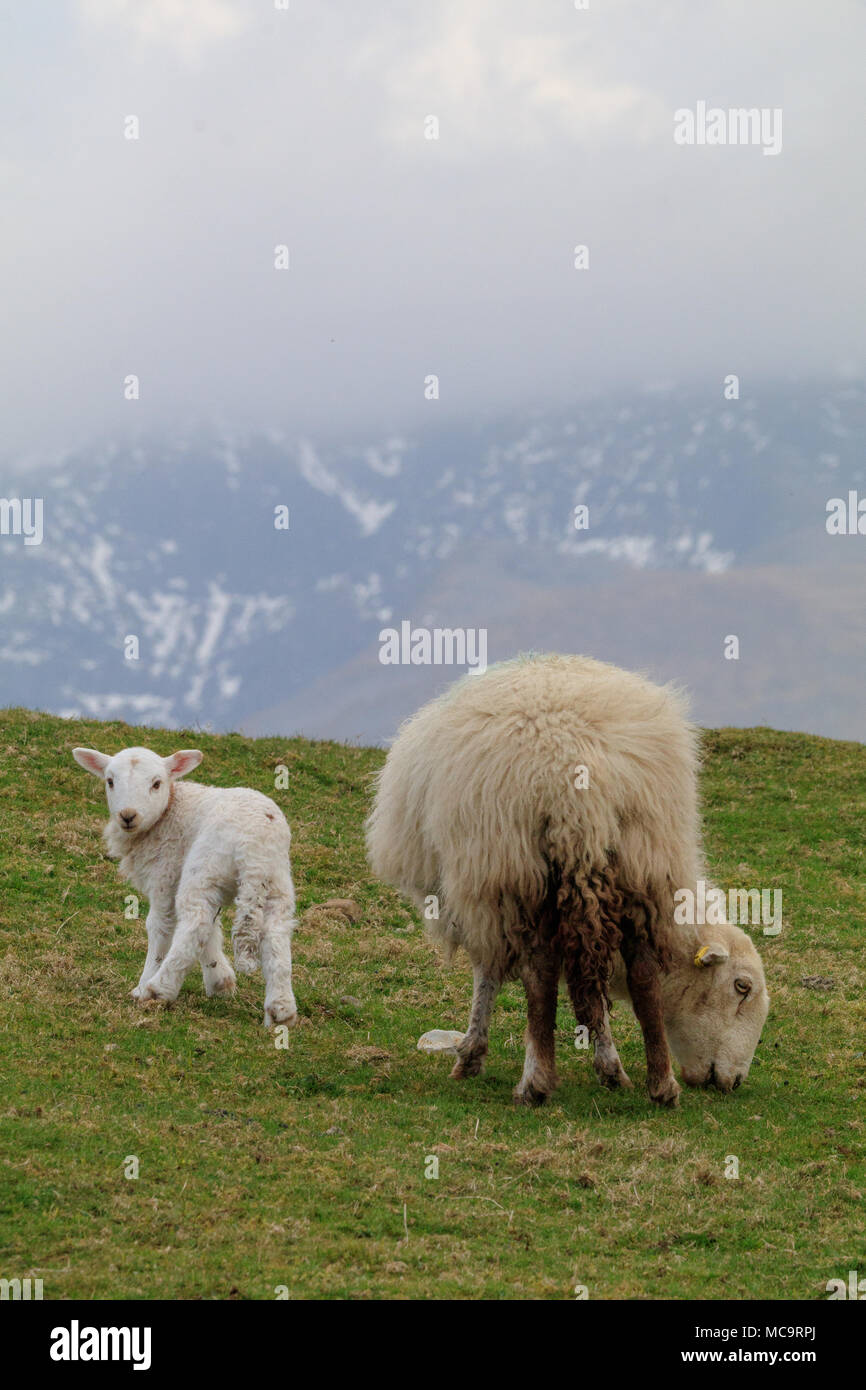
701,953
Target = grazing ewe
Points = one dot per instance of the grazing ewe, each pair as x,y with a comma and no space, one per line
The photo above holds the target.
548,811
191,849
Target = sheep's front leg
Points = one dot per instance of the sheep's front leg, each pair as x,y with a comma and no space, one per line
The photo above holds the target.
277,923
160,930
642,973
195,911
472,1049
608,1068
219,977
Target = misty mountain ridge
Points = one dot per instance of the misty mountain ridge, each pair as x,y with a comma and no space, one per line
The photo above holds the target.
703,520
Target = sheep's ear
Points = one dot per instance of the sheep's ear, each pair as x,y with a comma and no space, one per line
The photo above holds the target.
179,764
713,954
91,760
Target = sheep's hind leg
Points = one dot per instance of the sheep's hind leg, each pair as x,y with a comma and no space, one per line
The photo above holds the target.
540,976
642,973
216,969
277,923
608,1067
591,929
472,1049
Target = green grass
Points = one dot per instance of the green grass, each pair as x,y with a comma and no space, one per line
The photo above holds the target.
262,1167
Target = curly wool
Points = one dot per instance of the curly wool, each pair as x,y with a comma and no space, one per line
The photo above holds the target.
477,805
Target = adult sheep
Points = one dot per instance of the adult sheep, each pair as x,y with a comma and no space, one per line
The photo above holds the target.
549,808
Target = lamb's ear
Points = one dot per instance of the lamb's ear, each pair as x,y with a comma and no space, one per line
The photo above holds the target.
713,954
91,760
179,764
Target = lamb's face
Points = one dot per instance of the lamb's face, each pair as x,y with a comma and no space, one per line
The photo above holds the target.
137,782
137,786
715,1009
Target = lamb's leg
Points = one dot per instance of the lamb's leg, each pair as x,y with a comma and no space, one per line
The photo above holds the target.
540,976
196,907
277,923
160,930
608,1067
472,1049
219,977
642,974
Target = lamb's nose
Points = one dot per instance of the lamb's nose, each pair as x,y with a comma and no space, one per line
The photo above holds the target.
127,817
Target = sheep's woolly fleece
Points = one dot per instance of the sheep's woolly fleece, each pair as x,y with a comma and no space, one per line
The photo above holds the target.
477,803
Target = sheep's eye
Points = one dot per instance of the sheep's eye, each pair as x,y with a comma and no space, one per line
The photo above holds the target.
156,786
110,781
742,986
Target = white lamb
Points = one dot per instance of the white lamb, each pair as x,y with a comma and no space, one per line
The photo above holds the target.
191,849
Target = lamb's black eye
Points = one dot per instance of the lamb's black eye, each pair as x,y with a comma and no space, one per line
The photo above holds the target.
110,781
156,786
742,986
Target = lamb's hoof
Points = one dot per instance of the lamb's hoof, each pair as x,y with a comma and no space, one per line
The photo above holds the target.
280,1011
615,1079
222,984
151,994
665,1092
467,1066
527,1093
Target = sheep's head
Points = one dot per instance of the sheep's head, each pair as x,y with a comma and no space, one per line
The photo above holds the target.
137,782
715,1006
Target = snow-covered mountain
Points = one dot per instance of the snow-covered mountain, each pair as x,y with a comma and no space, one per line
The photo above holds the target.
703,520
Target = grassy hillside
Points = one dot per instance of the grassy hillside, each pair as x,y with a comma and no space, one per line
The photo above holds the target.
305,1167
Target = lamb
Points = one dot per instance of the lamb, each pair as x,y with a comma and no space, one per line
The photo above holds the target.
542,816
191,849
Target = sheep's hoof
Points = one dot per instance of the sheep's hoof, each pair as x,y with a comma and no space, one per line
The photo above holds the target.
278,1011
151,994
223,984
615,1079
527,1093
664,1092
469,1066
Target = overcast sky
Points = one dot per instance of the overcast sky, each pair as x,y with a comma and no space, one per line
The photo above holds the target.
412,256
